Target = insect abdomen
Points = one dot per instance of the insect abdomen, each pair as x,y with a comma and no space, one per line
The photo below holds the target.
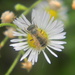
42,41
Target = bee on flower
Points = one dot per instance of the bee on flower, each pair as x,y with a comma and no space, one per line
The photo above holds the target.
44,33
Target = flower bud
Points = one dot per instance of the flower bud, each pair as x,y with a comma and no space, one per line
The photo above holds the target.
19,7
9,32
27,65
73,5
54,4
7,17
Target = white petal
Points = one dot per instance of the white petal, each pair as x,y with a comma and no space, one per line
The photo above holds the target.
23,25
27,48
32,55
55,31
58,42
55,48
18,44
57,45
51,52
39,17
48,60
18,34
26,20
17,40
53,25
36,56
20,47
20,25
59,36
19,30
33,17
45,19
33,61
49,25
21,20
26,54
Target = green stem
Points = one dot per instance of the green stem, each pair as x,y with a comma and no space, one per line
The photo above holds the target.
7,24
13,64
29,9
4,41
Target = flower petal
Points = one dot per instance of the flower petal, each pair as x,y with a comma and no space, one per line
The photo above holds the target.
51,52
26,54
17,40
48,60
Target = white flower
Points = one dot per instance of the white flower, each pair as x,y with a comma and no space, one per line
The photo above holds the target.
50,29
58,12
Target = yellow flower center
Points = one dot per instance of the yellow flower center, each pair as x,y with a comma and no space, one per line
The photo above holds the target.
35,42
52,12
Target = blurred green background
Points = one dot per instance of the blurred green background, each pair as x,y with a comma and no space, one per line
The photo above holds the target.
63,65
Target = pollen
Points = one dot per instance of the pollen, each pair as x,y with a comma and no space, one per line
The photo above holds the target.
52,13
33,41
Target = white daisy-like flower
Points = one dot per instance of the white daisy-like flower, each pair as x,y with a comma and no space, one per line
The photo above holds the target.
44,33
58,10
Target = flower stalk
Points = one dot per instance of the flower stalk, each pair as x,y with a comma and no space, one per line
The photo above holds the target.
13,64
3,42
30,8
8,24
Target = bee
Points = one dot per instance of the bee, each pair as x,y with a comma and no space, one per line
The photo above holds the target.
38,38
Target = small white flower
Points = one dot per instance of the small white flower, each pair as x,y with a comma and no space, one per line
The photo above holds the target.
50,29
58,12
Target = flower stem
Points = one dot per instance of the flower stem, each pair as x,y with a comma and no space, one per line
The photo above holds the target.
14,63
7,24
30,8
3,42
